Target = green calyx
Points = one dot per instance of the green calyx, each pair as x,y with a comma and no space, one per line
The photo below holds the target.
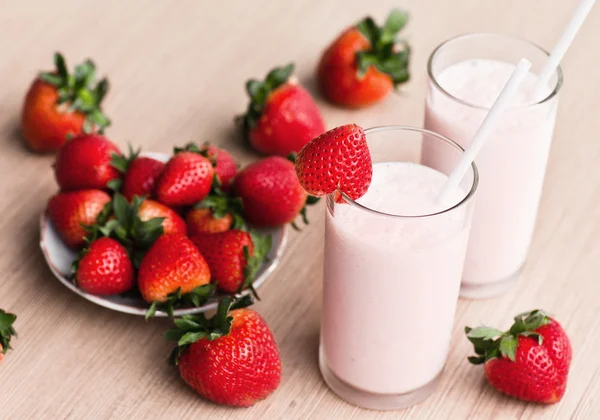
197,297
126,227
6,330
80,91
221,204
490,343
388,54
259,93
191,328
121,163
261,247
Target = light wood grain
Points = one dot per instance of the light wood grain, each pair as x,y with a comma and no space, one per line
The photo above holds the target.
177,70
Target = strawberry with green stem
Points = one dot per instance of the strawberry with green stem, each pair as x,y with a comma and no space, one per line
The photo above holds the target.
218,212
530,361
231,358
60,104
365,63
224,164
282,116
234,257
140,174
7,331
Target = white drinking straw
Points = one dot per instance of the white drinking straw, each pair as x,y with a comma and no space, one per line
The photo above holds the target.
564,42
485,129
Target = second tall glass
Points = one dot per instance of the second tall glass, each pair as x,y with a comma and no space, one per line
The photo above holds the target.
466,74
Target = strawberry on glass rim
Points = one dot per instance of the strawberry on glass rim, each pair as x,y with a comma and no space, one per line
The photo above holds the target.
530,361
337,161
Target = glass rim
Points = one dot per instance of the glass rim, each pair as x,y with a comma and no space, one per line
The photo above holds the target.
559,73
452,143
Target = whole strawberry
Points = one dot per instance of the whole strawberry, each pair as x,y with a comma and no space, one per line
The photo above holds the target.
365,63
59,105
530,361
270,192
6,331
69,211
231,358
225,165
234,257
336,161
281,117
186,179
140,174
85,162
172,267
172,222
104,268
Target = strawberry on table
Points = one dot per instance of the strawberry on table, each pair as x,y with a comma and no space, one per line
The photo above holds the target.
338,160
104,268
234,257
270,192
140,174
530,361
59,104
69,211
282,116
186,179
231,358
173,267
365,63
85,162
6,331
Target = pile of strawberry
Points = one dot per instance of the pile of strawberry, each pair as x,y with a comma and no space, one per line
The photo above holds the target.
173,232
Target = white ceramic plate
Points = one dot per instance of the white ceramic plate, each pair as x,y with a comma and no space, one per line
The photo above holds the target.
59,258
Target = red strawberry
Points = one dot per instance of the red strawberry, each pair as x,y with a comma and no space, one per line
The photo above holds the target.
59,105
172,264
6,331
186,179
105,269
225,165
338,160
85,162
68,211
204,221
172,223
365,63
233,257
270,192
231,358
529,362
141,175
282,117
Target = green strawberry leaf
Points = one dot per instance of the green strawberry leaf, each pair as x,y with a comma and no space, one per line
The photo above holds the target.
386,54
7,332
80,91
508,347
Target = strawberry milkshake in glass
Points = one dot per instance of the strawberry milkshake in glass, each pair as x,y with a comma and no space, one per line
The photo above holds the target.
393,264
466,75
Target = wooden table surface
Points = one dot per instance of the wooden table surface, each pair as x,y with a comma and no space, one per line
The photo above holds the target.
177,70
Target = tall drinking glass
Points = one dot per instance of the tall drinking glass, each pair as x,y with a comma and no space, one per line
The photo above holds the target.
466,75
393,264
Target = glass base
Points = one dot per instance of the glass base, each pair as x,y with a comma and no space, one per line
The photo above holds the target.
370,400
489,290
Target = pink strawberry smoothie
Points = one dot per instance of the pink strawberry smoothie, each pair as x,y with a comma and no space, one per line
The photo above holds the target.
512,165
391,283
